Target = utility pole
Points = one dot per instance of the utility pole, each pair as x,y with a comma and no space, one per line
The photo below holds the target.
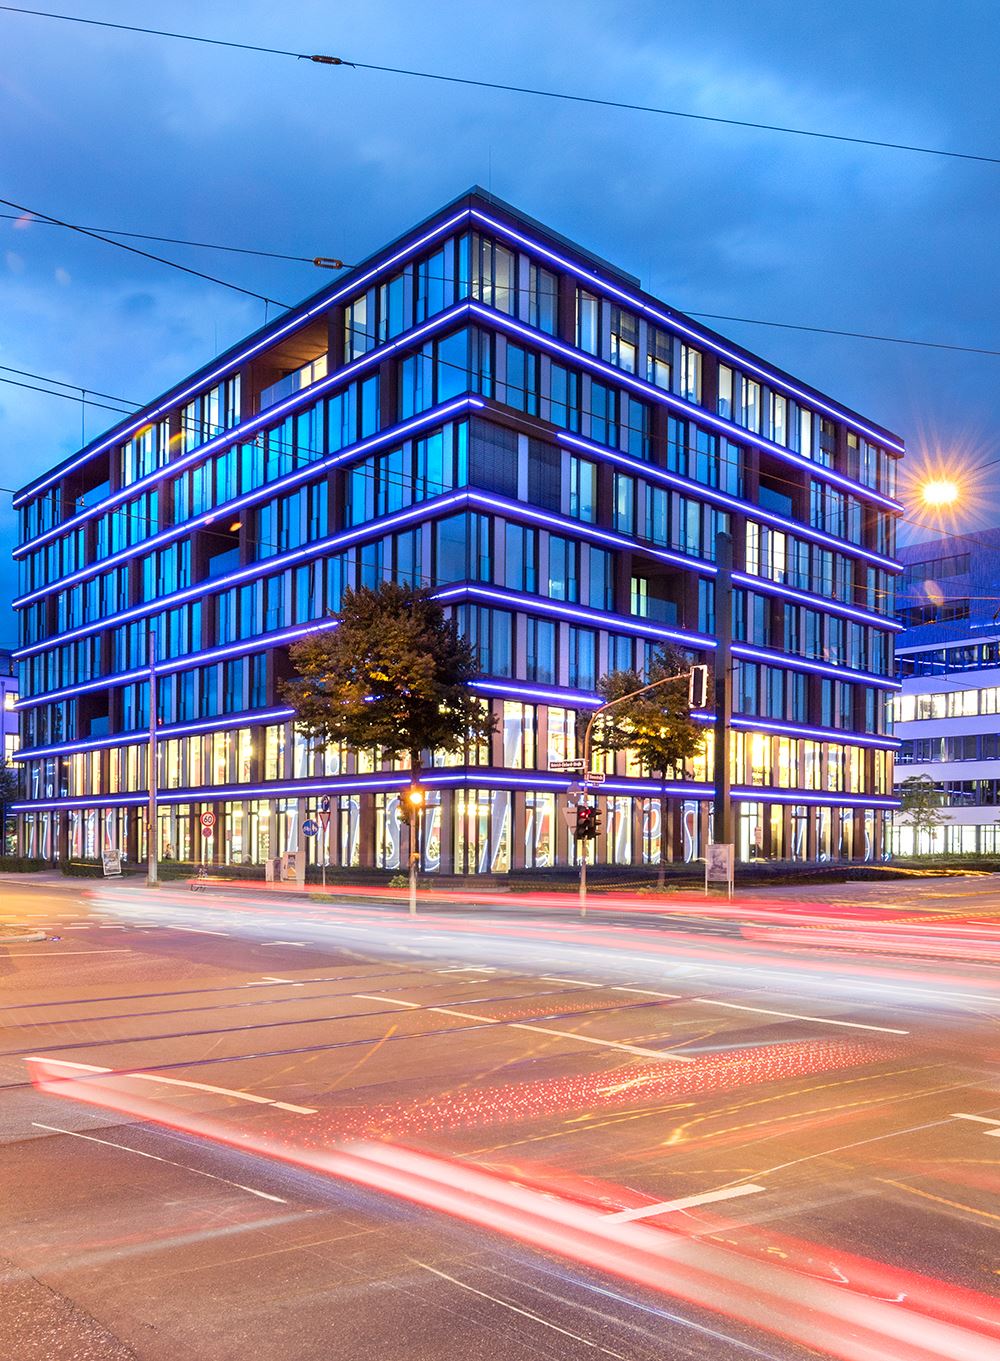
151,867
723,821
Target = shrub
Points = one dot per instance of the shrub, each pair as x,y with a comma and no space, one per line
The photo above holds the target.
22,864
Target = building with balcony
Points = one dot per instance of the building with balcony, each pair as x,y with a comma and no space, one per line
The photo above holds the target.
948,712
484,407
8,739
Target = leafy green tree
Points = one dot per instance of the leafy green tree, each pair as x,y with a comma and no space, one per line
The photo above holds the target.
10,788
921,806
393,676
656,725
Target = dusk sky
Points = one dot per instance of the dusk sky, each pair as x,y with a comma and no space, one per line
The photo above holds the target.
146,134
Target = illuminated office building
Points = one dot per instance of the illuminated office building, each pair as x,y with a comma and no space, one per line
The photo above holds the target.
947,713
485,407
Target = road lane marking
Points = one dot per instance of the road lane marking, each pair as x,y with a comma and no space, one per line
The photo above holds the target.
536,1029
373,997
684,1203
28,955
108,1143
300,943
646,992
178,1082
525,1313
268,980
201,930
795,1016
576,982
982,1120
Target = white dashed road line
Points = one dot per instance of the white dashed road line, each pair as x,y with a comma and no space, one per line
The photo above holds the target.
180,1082
684,1203
982,1120
92,1139
661,1054
795,1016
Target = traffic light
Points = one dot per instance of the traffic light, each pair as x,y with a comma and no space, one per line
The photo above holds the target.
698,687
588,823
412,801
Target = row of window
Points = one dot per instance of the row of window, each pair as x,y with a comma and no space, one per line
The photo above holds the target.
940,661
444,368
947,704
984,746
527,737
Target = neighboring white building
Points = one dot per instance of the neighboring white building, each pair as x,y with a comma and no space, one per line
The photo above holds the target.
8,698
948,713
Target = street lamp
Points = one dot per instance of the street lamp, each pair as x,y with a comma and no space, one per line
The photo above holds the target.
938,493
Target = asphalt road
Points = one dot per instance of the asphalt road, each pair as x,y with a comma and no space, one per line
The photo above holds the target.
326,1130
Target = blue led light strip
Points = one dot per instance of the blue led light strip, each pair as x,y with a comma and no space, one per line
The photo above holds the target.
256,644
531,604
687,409
674,323
371,530
249,718
269,338
493,689
239,433
407,428
685,484
472,777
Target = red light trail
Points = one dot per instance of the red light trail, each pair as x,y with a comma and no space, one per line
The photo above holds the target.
841,1306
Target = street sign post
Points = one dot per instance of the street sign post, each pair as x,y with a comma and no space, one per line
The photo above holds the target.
720,859
595,777
566,765
324,822
112,863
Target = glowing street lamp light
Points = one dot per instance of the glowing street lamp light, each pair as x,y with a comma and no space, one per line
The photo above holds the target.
939,493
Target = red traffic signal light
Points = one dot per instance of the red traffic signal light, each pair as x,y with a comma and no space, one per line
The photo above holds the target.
588,823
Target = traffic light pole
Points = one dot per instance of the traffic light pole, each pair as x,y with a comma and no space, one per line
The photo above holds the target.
722,821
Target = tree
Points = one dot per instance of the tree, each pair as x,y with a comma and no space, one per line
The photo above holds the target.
656,725
921,806
394,675
10,788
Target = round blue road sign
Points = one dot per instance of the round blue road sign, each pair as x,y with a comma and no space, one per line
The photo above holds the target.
309,827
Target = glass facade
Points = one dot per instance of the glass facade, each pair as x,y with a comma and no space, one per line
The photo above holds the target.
468,410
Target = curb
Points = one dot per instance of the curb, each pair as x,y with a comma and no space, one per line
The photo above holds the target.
28,938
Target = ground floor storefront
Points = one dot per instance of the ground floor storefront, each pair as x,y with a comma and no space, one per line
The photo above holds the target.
464,830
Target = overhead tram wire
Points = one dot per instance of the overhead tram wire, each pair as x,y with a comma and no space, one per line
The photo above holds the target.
534,91
326,263
169,240
59,382
145,254
69,396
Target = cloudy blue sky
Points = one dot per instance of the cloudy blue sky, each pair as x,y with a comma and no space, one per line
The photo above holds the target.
124,131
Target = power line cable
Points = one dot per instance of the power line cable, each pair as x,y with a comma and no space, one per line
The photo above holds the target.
173,240
69,396
537,92
59,382
520,288
853,335
147,255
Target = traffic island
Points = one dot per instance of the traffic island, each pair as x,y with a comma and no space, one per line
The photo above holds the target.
12,933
